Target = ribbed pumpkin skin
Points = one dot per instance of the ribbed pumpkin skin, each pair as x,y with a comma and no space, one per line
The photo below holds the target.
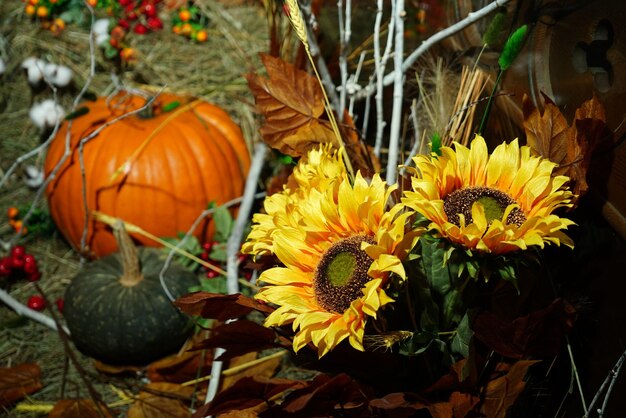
197,157
127,325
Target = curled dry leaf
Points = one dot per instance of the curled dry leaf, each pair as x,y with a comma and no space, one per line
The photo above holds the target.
239,337
219,306
570,146
265,369
501,393
292,103
78,408
19,381
162,400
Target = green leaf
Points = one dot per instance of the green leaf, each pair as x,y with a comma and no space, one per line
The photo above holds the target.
512,47
168,107
461,341
83,110
435,144
223,223
110,52
417,343
218,252
191,245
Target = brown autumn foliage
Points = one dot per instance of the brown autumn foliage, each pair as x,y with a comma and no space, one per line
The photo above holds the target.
292,104
569,146
19,381
78,408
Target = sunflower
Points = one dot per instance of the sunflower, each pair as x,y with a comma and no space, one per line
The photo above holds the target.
495,203
338,246
320,168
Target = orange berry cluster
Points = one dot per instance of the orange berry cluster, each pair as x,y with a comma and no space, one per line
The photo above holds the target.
189,22
45,11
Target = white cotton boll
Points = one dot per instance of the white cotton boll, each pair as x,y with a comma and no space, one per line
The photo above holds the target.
28,62
54,113
102,38
101,26
49,71
46,114
37,115
34,68
33,176
62,76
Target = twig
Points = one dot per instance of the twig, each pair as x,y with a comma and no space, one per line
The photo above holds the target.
355,81
380,61
189,233
314,49
64,336
610,381
81,159
418,139
23,310
232,248
398,90
575,373
437,37
344,41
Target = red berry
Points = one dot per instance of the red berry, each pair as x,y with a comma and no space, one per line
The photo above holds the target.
207,246
155,23
204,256
18,251
6,267
60,304
247,274
36,303
123,23
131,15
140,29
211,274
125,3
18,262
150,10
30,268
34,276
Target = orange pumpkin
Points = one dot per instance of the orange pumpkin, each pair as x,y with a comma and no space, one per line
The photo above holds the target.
176,162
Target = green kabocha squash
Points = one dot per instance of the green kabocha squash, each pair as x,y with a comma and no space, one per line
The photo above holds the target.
118,312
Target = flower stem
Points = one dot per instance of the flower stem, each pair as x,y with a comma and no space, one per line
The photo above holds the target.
483,122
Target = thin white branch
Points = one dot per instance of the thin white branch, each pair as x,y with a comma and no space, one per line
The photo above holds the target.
232,249
380,63
355,79
437,37
189,233
344,42
398,90
23,310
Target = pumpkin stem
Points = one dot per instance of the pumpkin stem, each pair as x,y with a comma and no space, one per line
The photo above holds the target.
131,268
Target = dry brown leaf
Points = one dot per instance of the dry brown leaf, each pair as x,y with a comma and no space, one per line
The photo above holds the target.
292,103
161,400
501,393
571,147
266,369
183,366
245,413
547,132
114,370
19,381
78,408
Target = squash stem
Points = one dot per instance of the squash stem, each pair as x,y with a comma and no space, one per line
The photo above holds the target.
131,275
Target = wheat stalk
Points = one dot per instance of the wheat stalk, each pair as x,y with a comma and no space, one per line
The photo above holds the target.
299,27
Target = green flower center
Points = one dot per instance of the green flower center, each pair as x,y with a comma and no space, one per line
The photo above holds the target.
342,273
494,202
